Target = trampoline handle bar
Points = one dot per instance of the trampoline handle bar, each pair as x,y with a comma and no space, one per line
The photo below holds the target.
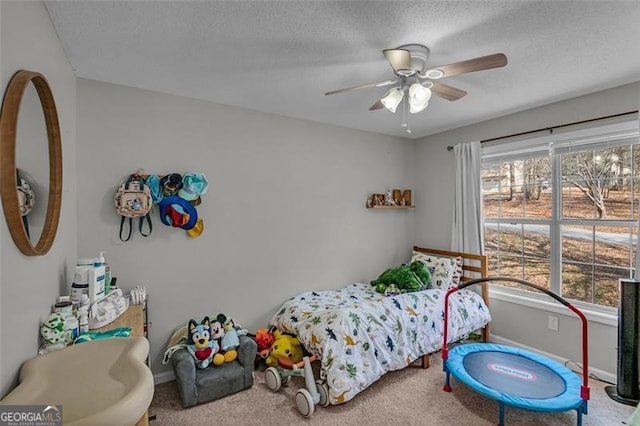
584,390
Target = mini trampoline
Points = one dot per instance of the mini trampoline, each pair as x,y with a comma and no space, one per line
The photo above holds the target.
513,376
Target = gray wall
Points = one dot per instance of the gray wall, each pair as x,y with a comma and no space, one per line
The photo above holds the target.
435,182
284,212
29,285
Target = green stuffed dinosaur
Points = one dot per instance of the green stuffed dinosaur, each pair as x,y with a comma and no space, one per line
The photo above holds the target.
412,277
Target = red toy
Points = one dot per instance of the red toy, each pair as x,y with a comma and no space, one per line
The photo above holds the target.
264,338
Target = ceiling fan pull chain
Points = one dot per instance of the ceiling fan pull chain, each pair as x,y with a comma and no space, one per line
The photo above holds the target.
404,112
405,115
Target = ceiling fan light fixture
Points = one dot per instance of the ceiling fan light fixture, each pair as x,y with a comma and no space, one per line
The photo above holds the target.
418,98
419,93
392,99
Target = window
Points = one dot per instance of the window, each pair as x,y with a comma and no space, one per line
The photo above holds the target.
561,211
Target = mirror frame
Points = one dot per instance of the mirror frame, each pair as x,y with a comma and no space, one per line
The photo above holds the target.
8,129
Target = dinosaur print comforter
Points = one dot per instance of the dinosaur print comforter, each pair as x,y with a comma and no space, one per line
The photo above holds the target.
359,334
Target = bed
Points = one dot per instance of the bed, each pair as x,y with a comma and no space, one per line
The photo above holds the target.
359,334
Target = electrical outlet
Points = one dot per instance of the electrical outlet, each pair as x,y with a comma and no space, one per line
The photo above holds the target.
553,323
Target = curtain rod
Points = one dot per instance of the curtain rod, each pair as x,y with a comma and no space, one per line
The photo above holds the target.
550,129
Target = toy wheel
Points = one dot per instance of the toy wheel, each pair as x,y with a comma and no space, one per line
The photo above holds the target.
272,378
287,380
304,402
323,391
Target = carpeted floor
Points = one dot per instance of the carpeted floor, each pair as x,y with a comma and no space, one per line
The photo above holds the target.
412,396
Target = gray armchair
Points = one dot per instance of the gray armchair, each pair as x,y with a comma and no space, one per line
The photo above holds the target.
196,385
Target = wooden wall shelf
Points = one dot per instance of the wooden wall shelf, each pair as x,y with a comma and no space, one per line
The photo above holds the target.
391,207
396,199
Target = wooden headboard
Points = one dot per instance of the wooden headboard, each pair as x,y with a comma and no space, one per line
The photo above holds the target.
473,266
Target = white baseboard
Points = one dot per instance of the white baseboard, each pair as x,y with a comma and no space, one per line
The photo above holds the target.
605,376
165,376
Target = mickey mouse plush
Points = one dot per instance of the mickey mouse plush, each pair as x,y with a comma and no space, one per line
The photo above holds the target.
228,352
201,345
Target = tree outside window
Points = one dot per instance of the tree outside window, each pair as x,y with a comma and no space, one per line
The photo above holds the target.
593,208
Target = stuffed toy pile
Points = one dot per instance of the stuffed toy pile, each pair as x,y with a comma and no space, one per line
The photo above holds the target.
213,342
403,278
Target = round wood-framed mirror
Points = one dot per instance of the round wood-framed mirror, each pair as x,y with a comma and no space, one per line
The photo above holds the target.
8,130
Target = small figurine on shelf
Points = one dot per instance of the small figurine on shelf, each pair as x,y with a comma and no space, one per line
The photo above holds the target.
388,199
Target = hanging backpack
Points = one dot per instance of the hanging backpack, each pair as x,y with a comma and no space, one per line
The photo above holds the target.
133,200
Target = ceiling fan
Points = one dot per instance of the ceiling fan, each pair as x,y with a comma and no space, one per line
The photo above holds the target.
415,82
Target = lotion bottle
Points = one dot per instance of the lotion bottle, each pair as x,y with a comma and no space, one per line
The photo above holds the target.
107,273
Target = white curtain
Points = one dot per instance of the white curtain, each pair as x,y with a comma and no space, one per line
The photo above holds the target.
467,233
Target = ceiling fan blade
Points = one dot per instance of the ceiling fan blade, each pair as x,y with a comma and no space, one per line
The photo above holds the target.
362,86
400,59
449,93
378,105
496,60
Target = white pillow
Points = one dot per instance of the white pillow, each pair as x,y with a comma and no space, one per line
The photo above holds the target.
445,269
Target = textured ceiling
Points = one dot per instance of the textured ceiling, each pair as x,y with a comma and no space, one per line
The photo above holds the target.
281,56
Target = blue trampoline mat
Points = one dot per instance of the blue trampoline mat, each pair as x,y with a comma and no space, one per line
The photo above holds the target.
517,377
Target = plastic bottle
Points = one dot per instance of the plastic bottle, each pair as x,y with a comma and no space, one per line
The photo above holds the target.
83,322
71,329
80,285
83,314
97,282
107,273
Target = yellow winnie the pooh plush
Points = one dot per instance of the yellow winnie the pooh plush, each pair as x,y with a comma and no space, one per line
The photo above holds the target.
284,345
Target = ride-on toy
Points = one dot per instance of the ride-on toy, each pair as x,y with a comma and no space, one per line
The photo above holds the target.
316,391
